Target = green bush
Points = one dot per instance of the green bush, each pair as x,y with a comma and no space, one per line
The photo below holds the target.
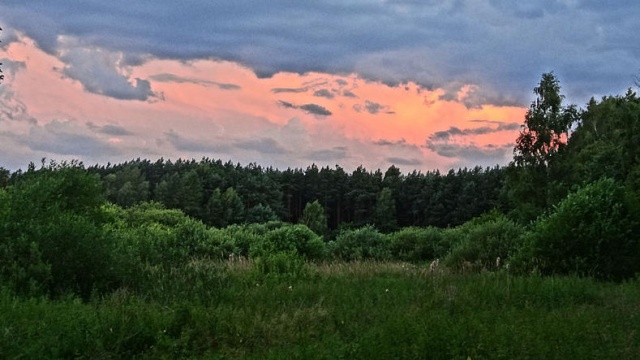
52,233
297,238
486,242
590,232
361,244
418,244
153,213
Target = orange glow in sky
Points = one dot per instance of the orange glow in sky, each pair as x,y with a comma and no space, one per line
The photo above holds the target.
221,109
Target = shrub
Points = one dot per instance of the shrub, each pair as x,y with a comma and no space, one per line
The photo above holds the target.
297,238
52,233
483,240
418,244
361,244
591,232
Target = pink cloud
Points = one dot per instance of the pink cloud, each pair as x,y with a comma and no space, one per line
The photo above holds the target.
225,111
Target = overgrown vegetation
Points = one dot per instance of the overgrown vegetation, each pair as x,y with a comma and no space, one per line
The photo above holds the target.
184,260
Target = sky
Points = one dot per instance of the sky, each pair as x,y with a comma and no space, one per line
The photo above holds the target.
421,85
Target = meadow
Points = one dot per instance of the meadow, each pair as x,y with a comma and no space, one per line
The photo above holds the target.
245,309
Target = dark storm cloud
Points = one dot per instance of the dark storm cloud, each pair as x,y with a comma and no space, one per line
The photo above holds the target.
180,80
503,46
313,109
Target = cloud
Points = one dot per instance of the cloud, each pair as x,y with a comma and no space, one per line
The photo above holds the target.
165,77
182,143
323,93
262,145
454,131
402,161
109,129
287,105
384,142
337,153
65,138
472,152
500,45
289,90
313,109
100,72
372,108
12,108
10,68
348,93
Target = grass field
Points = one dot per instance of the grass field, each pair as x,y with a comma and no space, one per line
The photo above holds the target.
360,310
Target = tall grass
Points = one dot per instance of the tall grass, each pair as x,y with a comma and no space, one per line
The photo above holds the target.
372,310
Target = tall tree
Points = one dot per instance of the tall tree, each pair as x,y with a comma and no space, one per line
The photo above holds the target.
546,125
542,139
384,216
233,207
314,218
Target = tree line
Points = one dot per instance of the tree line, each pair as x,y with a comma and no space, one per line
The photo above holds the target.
560,148
569,202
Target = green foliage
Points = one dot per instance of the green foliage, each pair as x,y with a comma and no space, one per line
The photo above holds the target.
233,208
261,214
418,244
52,233
486,242
279,264
591,232
314,218
126,187
297,239
147,213
537,168
151,234
361,244
546,125
204,310
384,216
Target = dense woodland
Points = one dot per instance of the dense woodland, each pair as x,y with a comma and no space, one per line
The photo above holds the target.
603,141
568,204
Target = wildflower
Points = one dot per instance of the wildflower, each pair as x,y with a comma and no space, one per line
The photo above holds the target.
386,290
498,262
290,288
434,265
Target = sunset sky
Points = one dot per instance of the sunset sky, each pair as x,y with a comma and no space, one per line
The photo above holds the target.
419,84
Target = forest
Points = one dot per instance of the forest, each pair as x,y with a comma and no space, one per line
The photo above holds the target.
207,259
